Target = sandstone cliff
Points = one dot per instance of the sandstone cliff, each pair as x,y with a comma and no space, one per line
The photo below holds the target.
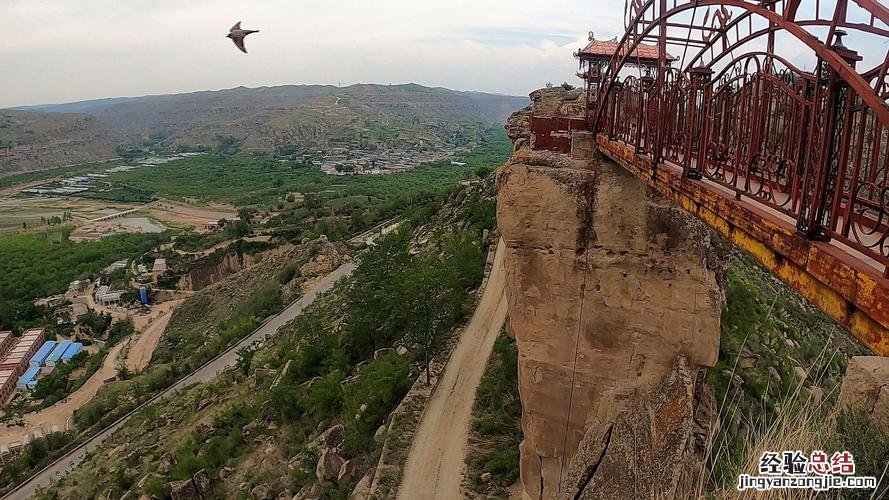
608,285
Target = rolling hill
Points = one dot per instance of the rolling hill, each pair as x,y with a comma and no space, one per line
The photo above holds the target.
35,140
265,119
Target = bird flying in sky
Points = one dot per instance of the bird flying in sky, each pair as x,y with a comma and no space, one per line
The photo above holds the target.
237,35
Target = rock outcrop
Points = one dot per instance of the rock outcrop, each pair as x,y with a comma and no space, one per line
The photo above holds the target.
205,272
866,387
655,448
184,490
554,101
192,489
329,464
607,285
558,101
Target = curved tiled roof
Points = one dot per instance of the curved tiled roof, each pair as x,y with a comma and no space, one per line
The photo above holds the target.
602,48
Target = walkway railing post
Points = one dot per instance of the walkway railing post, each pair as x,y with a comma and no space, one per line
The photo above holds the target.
803,154
646,84
594,79
820,203
613,107
702,92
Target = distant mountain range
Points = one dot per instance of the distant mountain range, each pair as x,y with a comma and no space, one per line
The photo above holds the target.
266,119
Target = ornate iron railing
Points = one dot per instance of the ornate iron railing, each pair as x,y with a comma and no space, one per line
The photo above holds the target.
813,146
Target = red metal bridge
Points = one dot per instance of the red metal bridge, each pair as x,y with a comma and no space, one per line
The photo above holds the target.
768,119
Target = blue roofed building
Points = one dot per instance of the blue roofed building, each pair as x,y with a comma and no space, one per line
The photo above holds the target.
29,379
56,353
71,351
40,356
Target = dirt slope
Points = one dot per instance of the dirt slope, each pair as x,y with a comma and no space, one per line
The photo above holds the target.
143,347
434,466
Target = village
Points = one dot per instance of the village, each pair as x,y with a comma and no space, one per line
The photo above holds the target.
35,355
23,361
356,161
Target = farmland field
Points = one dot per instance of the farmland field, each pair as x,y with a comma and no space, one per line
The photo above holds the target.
18,210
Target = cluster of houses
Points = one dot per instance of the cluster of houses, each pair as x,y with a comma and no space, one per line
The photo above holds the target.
23,360
107,295
45,360
348,161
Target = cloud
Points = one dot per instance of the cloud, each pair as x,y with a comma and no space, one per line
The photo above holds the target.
61,51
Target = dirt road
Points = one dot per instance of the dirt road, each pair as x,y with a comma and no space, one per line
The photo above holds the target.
434,466
143,347
139,354
208,251
59,413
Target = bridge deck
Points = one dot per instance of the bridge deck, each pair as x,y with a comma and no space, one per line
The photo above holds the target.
844,283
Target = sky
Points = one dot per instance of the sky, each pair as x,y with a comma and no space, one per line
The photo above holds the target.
56,51
63,50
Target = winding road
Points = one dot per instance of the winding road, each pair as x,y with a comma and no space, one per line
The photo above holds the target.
142,348
210,370
434,468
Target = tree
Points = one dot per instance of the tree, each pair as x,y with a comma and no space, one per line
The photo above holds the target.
312,200
428,314
245,214
129,296
376,297
237,229
124,373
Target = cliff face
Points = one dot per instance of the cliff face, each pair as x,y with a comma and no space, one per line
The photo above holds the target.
608,285
203,275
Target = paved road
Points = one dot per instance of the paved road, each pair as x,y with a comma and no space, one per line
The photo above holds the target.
434,468
203,374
